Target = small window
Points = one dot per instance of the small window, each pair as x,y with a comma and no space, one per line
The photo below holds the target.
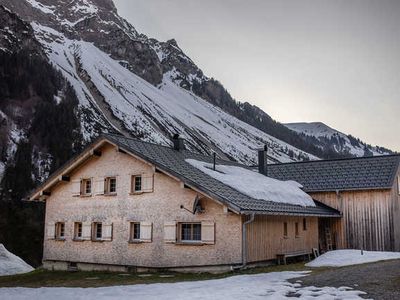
97,231
135,231
136,184
190,232
296,229
111,185
86,187
77,231
304,224
285,231
60,231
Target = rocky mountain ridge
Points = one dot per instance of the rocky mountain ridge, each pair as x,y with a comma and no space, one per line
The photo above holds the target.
329,139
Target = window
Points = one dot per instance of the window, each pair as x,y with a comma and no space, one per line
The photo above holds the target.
111,185
296,229
86,187
285,232
60,231
77,231
190,232
304,224
135,231
97,231
136,184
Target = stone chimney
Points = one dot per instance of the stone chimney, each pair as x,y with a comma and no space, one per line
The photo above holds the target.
262,160
178,142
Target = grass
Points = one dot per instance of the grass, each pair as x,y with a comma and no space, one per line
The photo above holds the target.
44,278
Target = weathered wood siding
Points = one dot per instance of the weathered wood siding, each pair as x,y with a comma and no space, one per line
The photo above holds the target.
367,218
396,211
265,238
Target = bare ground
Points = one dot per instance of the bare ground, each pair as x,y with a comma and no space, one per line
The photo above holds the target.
381,280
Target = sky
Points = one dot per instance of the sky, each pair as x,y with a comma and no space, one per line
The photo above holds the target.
337,62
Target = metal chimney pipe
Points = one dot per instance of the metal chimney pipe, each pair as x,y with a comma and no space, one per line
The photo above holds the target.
178,142
214,160
263,160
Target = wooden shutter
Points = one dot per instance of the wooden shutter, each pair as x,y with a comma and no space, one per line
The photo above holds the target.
86,231
76,188
146,232
170,232
50,231
208,232
107,230
99,186
148,183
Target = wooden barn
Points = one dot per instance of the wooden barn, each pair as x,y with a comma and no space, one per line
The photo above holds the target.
365,190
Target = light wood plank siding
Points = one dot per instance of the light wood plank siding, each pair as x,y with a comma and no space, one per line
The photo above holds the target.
396,211
367,218
265,237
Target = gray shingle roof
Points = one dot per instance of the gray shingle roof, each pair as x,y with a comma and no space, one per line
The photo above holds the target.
169,160
364,173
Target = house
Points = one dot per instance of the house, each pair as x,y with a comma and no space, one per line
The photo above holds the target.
126,204
365,190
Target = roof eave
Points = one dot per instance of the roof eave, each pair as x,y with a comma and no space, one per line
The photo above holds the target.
39,193
289,214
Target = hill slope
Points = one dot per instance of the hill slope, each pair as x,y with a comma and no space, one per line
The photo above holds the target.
331,140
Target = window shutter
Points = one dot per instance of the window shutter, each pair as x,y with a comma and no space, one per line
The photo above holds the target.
107,230
147,183
146,229
208,232
51,231
99,185
86,231
76,188
170,232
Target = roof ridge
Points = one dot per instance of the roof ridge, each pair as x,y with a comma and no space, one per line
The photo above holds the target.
338,159
168,147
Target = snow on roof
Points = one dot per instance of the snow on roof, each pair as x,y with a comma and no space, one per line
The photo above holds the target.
256,185
341,258
11,264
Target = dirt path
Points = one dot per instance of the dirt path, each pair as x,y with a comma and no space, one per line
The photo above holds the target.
380,280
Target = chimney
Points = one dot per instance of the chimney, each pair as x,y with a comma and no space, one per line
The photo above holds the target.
262,160
178,142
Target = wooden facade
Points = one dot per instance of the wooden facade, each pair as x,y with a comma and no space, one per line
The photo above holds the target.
371,218
265,236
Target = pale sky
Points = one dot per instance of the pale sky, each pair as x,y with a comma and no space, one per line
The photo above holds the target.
332,61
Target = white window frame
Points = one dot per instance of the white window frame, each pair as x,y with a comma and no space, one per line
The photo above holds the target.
107,185
180,232
84,183
132,238
60,231
133,184
76,231
94,231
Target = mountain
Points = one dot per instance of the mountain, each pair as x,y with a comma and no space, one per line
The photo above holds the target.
72,69
129,83
335,142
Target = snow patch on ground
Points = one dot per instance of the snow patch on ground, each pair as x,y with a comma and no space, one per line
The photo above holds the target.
261,286
11,264
340,258
256,185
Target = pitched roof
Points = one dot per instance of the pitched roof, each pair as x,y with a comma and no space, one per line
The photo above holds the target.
173,162
363,173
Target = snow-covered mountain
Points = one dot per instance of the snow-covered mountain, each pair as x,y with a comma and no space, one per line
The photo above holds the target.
122,81
129,83
330,139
